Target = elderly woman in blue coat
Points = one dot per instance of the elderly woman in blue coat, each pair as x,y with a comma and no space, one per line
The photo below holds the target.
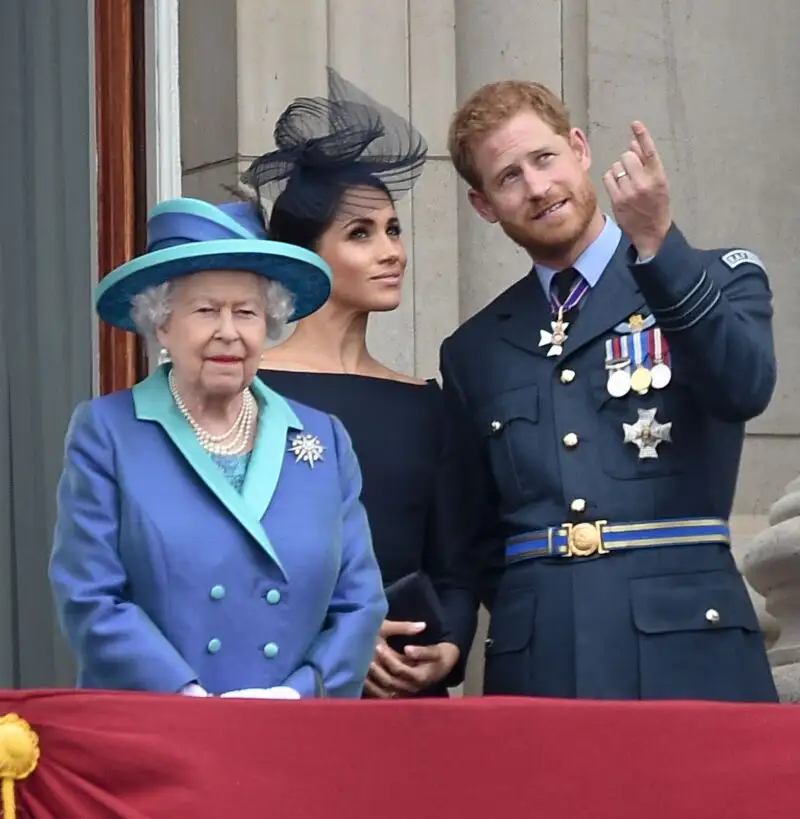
210,539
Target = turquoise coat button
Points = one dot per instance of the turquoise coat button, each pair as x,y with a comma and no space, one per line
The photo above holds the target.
270,651
214,646
273,597
218,592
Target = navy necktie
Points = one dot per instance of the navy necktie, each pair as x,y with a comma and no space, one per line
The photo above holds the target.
563,284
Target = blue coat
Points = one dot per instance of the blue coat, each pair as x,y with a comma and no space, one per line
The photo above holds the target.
537,445
164,574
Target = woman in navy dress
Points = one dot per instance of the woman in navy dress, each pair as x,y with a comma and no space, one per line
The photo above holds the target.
340,164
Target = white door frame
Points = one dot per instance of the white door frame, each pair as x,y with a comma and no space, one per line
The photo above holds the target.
164,170
163,102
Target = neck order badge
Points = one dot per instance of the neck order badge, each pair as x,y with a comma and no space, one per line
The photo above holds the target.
557,335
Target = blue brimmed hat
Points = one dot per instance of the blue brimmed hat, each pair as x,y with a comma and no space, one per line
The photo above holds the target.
189,236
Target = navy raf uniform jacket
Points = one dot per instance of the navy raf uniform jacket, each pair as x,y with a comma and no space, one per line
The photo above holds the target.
594,526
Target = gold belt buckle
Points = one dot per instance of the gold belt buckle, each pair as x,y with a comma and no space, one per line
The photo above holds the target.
585,539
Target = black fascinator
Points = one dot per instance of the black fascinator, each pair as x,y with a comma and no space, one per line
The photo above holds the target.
343,152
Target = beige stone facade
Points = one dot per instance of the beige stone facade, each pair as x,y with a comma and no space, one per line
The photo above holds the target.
715,81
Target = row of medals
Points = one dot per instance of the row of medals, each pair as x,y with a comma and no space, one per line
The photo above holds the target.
621,380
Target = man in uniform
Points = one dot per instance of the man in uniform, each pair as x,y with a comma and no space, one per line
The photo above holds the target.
597,415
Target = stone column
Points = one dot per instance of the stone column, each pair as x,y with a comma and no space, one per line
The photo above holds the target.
744,529
772,566
521,41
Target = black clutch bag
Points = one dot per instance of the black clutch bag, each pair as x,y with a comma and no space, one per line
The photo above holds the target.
413,599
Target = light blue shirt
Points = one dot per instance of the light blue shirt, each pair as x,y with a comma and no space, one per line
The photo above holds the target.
592,262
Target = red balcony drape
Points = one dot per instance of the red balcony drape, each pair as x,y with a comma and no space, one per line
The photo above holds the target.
133,756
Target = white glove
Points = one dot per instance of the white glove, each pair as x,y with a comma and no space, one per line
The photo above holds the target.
194,690
278,692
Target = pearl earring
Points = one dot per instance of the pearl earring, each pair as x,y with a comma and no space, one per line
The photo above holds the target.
163,356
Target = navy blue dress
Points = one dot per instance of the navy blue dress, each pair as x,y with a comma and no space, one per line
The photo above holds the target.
397,433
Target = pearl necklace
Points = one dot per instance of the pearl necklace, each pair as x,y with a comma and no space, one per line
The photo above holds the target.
242,427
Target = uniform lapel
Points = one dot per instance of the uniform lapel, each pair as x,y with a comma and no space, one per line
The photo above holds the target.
613,299
153,402
524,314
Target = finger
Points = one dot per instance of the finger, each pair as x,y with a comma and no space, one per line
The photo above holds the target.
612,187
386,660
394,673
414,672
423,654
393,628
417,677
620,174
390,660
642,135
379,677
633,167
636,148
387,682
376,691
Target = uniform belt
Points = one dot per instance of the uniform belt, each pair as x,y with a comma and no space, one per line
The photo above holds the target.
600,537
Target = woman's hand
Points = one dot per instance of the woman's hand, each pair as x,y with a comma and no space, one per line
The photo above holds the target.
394,675
385,678
432,664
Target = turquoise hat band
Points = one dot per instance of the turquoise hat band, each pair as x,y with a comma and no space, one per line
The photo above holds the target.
303,273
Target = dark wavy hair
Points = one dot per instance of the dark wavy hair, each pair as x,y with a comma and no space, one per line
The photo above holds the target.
285,225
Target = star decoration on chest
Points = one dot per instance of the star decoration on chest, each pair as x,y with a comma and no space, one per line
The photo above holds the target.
555,337
306,448
647,433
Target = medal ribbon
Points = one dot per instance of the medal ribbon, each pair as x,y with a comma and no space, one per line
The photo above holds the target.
623,348
610,352
617,352
576,294
639,350
659,348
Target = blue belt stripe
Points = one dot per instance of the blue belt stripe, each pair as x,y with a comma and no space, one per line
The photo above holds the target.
677,532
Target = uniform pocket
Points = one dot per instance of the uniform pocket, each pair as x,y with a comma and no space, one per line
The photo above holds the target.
509,423
698,637
673,405
509,644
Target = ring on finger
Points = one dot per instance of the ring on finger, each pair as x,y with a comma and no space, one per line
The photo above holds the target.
620,174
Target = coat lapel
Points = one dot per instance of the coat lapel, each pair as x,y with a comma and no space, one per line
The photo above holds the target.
275,420
615,297
612,300
153,402
528,313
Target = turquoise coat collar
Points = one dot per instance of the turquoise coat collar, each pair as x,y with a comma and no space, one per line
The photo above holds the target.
153,401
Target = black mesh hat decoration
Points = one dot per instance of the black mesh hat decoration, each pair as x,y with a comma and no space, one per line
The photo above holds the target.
345,152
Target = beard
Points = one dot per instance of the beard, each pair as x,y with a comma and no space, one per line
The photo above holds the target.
544,243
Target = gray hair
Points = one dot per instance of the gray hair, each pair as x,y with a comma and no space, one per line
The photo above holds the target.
151,308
